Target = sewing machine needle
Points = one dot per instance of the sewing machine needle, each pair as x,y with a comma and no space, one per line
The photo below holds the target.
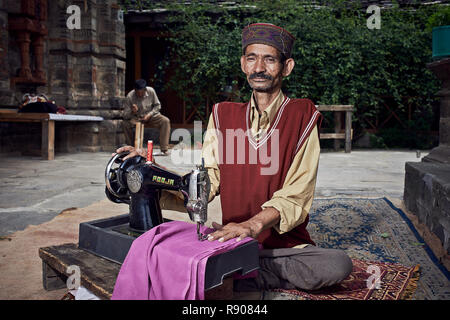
200,235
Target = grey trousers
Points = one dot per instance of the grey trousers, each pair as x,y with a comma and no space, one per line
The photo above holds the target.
308,268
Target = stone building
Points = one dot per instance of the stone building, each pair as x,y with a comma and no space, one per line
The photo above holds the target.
87,69
81,68
427,183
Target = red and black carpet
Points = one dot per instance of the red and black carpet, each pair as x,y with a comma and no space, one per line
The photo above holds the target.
383,245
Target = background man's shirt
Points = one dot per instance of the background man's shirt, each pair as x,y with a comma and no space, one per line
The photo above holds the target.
148,104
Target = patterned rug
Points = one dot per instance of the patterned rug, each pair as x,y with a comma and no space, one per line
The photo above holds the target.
383,245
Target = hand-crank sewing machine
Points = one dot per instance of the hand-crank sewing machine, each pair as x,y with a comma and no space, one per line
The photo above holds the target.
138,183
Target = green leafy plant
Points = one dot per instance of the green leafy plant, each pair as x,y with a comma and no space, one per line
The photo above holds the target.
338,59
440,18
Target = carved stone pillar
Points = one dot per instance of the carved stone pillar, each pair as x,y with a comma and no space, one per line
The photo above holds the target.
38,47
30,30
23,38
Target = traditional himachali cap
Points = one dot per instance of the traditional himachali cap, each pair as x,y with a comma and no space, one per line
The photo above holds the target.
268,34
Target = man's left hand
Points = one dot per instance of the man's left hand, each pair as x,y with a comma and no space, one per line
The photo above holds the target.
147,117
239,231
265,219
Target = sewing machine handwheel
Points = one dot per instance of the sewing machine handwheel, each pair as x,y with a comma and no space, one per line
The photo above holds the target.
116,185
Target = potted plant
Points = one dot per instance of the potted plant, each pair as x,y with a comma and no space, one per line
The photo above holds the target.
439,22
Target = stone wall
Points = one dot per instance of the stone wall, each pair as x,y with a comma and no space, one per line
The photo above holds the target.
427,183
4,40
427,190
84,72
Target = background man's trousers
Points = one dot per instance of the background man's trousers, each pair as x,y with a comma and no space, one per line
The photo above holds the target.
308,268
156,121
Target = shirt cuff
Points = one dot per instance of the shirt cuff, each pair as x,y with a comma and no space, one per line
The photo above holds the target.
291,215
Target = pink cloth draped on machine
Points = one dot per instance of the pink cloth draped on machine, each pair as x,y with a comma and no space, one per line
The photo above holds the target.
168,263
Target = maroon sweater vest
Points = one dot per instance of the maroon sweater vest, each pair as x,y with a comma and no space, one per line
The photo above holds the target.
244,185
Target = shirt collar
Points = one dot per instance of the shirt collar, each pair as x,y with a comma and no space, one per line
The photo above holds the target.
146,94
272,109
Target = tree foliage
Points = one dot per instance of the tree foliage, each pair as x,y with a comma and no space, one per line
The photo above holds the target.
339,60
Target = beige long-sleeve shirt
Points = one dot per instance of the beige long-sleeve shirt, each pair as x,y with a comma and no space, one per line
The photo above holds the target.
148,104
294,199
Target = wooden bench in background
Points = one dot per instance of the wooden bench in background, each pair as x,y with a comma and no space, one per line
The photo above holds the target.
347,135
48,126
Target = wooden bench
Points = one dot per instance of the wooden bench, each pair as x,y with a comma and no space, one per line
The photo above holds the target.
48,126
347,135
97,274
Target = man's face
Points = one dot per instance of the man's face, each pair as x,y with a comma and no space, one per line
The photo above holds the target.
140,92
261,64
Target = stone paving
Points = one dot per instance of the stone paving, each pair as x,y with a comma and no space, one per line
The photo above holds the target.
43,202
33,191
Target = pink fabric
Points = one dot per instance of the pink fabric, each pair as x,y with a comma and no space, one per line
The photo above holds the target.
168,263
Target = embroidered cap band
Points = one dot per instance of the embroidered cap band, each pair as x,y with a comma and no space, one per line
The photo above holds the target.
268,34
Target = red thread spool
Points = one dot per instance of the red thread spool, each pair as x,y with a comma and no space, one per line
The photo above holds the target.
150,150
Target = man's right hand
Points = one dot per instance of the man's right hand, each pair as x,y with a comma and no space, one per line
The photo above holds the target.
134,108
133,152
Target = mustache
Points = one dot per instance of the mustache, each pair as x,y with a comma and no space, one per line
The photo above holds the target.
260,75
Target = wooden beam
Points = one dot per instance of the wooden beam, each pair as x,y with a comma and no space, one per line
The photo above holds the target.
9,110
334,107
332,136
137,57
24,116
337,129
348,131
48,140
139,135
52,279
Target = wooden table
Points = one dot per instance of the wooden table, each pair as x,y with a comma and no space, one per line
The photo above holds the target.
348,134
48,126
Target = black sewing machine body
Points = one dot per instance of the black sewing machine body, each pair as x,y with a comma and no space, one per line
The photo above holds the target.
139,184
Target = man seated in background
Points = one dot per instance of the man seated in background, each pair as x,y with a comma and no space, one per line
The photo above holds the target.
142,104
